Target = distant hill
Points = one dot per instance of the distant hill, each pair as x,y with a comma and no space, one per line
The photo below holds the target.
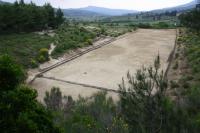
180,8
2,2
80,13
108,11
96,11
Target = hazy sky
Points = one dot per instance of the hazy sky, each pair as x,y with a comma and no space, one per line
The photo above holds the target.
119,4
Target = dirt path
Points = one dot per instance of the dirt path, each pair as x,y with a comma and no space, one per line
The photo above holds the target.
106,66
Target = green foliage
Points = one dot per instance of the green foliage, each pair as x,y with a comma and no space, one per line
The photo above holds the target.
192,44
142,99
41,59
21,17
191,20
175,65
19,109
53,100
71,37
89,42
174,84
87,115
188,84
34,63
11,74
194,100
147,109
24,47
144,25
43,55
59,17
161,25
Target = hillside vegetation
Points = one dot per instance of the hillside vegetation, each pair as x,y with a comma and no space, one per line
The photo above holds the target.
24,47
72,37
21,17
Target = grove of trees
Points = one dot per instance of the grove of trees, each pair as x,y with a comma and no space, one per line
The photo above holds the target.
21,17
20,112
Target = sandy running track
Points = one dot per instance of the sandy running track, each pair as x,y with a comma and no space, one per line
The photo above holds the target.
106,66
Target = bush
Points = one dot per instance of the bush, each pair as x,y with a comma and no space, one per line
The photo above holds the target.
193,96
142,107
186,85
11,74
44,53
129,30
174,84
71,37
34,63
41,59
175,65
161,25
176,55
144,25
87,115
191,20
53,99
19,109
89,42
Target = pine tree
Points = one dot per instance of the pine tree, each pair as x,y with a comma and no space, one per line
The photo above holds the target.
59,17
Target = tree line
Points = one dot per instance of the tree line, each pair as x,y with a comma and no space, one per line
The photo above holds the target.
191,20
22,17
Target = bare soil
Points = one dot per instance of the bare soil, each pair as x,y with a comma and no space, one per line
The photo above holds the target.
106,66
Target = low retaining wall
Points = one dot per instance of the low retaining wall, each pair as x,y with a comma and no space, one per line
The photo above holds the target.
171,56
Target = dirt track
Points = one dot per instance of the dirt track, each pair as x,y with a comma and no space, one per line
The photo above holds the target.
106,66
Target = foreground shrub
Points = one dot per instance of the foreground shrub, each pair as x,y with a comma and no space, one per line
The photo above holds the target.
43,55
86,115
11,74
19,109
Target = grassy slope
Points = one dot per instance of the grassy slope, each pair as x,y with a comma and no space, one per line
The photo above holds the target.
188,61
72,37
24,47
185,75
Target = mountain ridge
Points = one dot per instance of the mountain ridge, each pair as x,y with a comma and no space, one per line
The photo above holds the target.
178,8
108,11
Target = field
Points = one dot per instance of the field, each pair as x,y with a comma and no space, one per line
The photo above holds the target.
106,66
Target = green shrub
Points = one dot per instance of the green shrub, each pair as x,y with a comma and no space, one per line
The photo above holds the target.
161,25
186,85
71,37
189,77
41,59
144,25
34,63
175,65
129,30
174,84
176,55
193,95
89,42
19,109
11,74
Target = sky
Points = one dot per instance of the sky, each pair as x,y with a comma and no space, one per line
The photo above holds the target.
140,5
